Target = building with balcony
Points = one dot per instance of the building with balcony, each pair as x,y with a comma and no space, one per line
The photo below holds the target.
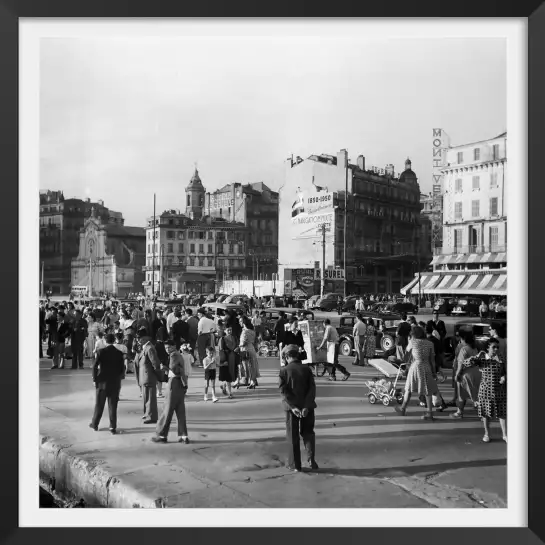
60,223
255,206
109,259
383,232
191,252
473,258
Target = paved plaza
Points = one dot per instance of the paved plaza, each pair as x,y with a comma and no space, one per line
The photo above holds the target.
369,456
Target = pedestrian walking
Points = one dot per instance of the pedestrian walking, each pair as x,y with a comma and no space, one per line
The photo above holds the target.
492,390
78,336
248,355
149,365
420,376
227,358
108,371
179,330
466,381
358,332
193,329
370,341
205,330
331,343
298,391
175,392
62,333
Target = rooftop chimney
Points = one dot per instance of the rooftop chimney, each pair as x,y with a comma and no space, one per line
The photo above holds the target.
100,202
361,162
389,170
87,199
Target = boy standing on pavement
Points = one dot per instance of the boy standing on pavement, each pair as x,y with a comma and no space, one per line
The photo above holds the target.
210,362
298,390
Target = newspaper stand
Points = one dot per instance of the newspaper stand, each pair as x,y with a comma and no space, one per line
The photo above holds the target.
313,334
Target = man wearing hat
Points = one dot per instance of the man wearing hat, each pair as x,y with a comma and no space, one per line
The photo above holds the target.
298,390
174,397
62,332
148,365
108,371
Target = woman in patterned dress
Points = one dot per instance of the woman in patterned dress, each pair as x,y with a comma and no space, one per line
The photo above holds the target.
492,391
370,341
420,376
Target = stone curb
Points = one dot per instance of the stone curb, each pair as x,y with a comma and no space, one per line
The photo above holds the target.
71,477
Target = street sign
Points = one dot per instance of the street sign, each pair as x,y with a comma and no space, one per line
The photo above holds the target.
320,227
330,274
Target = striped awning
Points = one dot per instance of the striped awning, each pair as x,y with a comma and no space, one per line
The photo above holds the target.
454,259
483,282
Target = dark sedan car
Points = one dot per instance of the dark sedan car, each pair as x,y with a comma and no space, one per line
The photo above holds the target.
386,327
480,330
395,308
445,306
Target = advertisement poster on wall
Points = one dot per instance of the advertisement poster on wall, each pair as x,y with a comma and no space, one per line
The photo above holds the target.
310,211
299,282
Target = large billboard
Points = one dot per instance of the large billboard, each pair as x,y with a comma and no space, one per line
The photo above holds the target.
306,202
310,212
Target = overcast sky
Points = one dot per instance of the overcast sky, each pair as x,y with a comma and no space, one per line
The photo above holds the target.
122,119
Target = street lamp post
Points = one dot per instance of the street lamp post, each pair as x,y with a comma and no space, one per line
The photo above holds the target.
252,253
91,262
161,268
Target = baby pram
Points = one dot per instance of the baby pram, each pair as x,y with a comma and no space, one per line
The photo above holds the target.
383,389
267,349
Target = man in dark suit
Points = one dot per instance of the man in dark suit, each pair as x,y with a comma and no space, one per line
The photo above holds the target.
148,366
61,333
280,328
439,325
298,389
79,334
157,323
108,371
179,330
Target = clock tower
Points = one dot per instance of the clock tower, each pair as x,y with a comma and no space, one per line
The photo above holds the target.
195,197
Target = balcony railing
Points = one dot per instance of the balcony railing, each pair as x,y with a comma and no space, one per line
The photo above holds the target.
491,248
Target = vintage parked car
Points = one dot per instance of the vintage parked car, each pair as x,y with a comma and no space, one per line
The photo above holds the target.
235,298
272,315
395,308
445,305
349,304
480,330
221,298
385,324
329,301
217,310
313,302
468,306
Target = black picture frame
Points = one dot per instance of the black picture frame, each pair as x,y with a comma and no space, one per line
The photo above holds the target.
11,11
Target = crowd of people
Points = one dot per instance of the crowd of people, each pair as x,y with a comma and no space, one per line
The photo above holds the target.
478,376
163,348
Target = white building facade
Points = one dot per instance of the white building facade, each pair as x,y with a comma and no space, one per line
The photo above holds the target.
473,258
474,212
